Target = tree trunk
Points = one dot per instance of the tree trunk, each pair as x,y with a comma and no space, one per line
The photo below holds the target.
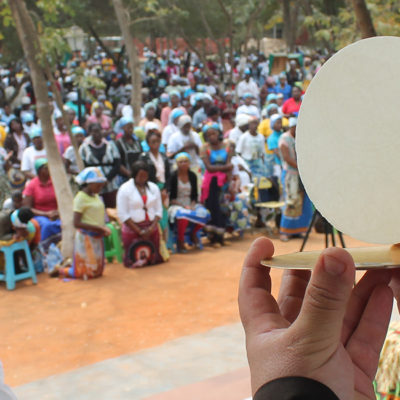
60,106
134,62
290,16
30,43
363,18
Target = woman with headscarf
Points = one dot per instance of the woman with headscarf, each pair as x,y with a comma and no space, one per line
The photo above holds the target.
297,213
89,216
273,143
39,195
172,127
216,157
139,209
185,209
174,103
97,152
129,148
252,148
150,116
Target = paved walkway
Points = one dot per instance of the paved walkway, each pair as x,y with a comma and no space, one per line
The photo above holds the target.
137,376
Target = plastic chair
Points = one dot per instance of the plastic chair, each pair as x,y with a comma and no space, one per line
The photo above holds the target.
9,275
112,243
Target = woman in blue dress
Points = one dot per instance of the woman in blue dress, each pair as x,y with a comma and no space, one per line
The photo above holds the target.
297,212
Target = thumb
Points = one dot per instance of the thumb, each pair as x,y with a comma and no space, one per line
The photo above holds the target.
325,302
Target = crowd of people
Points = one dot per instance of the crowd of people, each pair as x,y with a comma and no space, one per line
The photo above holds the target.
191,166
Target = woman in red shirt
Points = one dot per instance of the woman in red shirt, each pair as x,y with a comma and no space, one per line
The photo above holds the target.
39,195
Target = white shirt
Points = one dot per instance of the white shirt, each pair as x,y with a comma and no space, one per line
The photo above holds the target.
21,141
251,147
178,140
248,110
69,155
130,202
235,134
127,112
160,166
168,131
243,175
29,156
247,87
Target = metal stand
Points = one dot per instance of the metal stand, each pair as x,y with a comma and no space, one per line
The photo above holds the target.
329,230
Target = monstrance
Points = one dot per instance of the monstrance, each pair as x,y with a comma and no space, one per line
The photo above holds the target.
348,151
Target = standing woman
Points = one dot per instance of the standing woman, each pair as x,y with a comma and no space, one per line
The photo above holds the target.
99,118
150,116
252,148
216,157
184,207
129,148
16,141
159,171
89,213
97,152
139,209
297,214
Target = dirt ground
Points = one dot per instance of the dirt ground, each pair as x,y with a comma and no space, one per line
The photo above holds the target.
57,325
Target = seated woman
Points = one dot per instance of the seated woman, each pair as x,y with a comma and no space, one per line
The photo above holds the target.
184,201
139,209
216,157
89,213
39,196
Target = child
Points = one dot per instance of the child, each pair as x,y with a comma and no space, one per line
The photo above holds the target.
89,213
26,228
14,202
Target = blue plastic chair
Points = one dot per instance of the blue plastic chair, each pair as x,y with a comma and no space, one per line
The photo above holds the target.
9,275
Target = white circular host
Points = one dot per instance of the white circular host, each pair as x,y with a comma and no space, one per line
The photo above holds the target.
348,140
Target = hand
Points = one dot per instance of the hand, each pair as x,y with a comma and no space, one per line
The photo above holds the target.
320,328
229,167
146,233
106,231
241,168
52,215
8,156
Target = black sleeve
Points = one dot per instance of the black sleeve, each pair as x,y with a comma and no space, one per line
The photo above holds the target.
121,152
115,169
173,186
152,169
167,173
294,388
194,195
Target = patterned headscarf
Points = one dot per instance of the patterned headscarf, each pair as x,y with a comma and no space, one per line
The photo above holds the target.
90,175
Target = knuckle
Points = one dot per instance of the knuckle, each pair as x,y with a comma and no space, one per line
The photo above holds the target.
323,298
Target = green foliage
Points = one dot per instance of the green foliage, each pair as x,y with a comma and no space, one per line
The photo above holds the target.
53,44
338,29
87,82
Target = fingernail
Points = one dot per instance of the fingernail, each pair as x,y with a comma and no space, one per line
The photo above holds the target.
333,266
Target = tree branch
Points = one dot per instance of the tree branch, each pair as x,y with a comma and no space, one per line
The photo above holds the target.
101,43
